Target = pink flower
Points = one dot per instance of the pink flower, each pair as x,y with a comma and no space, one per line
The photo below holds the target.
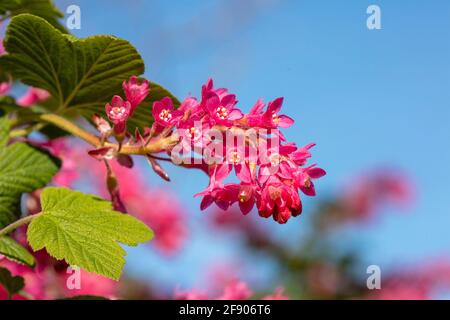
190,105
305,176
208,88
118,113
33,96
135,92
193,133
235,157
220,105
277,162
236,290
300,156
221,110
222,195
5,87
269,119
272,119
279,200
247,197
102,125
164,113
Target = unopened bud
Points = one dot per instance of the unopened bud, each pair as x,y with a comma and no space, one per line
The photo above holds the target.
157,168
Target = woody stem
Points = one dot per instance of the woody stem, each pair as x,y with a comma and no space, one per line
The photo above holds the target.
70,127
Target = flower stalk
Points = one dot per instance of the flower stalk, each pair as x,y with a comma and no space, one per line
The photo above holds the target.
70,127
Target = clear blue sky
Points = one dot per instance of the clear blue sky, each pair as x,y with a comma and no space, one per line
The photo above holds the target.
366,98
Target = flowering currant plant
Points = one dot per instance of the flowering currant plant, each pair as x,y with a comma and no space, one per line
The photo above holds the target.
98,79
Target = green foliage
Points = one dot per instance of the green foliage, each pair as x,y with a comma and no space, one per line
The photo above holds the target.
8,5
80,74
42,8
77,72
12,284
22,169
15,252
8,104
85,231
4,131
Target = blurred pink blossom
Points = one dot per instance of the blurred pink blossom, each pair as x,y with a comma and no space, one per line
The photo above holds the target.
64,150
90,284
277,295
5,87
368,194
33,96
420,282
2,48
234,290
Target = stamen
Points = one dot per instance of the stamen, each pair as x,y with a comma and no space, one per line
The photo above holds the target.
165,115
222,113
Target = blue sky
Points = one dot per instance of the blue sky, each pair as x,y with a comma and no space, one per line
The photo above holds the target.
366,97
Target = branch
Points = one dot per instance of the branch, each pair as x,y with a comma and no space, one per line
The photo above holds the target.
9,228
66,125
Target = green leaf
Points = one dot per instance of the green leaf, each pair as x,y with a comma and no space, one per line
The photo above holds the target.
77,72
12,284
85,231
142,116
8,104
4,131
7,5
22,169
15,252
42,8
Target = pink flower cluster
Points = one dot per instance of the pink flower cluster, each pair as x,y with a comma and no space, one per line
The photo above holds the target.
119,110
271,171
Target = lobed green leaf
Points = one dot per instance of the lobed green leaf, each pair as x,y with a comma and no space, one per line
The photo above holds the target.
85,231
77,72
